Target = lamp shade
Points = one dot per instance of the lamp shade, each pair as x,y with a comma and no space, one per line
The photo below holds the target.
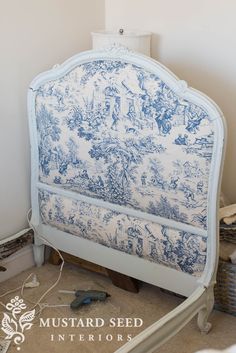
135,40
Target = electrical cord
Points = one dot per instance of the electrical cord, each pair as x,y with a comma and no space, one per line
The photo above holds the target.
61,257
38,303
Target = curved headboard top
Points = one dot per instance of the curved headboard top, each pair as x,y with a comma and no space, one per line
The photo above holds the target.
118,126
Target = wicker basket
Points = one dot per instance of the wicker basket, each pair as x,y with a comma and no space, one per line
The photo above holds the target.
225,289
228,232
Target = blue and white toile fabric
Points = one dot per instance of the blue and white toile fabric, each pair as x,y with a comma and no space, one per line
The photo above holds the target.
176,249
114,131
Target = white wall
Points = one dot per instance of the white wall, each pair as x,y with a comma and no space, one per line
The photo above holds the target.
196,40
34,35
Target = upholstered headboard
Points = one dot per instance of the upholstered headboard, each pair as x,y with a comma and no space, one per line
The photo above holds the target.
139,149
126,169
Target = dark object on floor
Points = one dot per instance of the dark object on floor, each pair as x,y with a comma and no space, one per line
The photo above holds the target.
119,280
124,282
2,269
86,297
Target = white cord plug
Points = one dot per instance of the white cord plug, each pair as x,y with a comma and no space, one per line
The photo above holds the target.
32,284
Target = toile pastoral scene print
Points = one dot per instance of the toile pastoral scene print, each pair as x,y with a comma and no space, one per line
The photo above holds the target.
114,131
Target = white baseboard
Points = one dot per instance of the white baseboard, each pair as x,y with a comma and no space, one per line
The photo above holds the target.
17,262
